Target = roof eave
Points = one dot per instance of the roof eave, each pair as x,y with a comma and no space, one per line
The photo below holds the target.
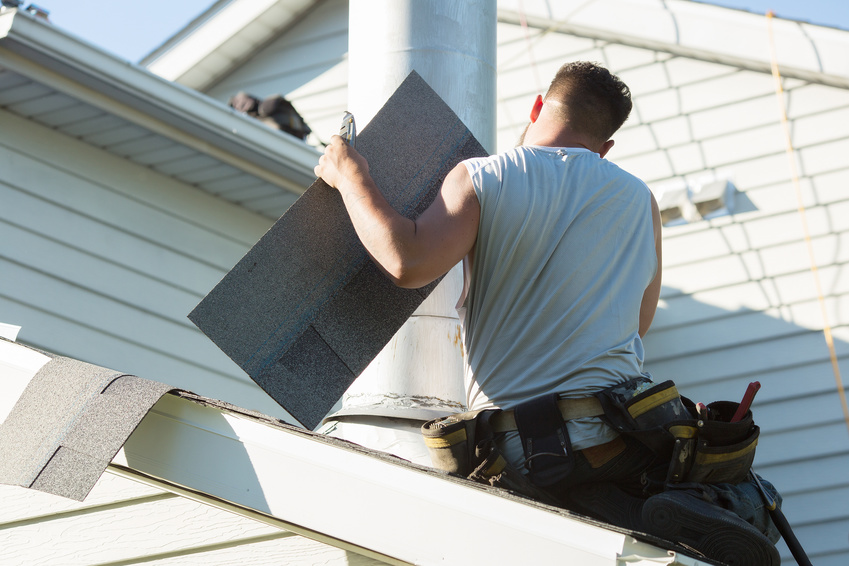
193,58
66,63
382,506
741,39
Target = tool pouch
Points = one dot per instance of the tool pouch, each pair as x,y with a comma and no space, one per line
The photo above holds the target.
451,442
702,450
713,449
643,410
545,440
464,444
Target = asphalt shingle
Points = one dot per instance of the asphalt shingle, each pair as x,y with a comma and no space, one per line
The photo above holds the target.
305,310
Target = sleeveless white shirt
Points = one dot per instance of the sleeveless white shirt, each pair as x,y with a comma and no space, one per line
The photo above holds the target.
564,252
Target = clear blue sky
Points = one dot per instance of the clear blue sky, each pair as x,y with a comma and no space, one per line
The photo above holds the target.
133,28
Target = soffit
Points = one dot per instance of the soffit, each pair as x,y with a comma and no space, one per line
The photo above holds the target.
54,79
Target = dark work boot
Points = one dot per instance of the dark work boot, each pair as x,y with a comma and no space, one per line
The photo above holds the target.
685,518
608,503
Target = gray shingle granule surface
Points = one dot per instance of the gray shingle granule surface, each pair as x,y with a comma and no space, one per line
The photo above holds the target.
69,423
305,310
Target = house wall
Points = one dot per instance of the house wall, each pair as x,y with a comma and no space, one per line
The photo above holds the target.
104,259
308,66
739,301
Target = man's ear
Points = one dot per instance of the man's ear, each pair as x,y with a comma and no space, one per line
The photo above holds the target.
605,147
537,108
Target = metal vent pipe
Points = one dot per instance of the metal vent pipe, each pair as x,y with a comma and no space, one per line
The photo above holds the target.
451,44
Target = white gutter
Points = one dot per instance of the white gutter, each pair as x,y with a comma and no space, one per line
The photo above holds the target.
54,58
346,496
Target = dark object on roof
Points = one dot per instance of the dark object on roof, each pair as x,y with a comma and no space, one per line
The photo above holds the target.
275,111
305,311
69,423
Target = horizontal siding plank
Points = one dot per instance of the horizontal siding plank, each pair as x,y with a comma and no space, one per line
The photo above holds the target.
777,385
291,551
34,256
822,540
798,476
746,359
126,533
211,374
827,504
23,214
760,232
74,159
132,322
100,202
825,439
20,504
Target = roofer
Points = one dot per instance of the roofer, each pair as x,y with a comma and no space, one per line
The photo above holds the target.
562,258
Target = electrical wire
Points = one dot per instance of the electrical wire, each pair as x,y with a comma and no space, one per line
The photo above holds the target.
791,155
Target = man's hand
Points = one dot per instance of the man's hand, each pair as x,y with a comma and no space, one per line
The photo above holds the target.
340,164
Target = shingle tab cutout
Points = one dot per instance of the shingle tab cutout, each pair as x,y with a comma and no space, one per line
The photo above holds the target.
69,423
305,310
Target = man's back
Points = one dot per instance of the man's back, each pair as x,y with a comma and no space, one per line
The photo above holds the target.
565,250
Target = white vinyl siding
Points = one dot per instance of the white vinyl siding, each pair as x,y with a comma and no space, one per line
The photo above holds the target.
123,522
739,302
103,259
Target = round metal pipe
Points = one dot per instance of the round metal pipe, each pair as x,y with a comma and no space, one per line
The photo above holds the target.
451,44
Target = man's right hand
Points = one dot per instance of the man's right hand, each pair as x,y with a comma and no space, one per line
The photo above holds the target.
341,163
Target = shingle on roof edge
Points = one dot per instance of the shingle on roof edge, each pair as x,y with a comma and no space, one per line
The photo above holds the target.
69,423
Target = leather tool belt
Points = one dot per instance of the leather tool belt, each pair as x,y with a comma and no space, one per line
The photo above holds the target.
704,448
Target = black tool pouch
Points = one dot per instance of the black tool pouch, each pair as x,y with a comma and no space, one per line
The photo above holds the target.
713,449
700,448
451,442
643,410
545,440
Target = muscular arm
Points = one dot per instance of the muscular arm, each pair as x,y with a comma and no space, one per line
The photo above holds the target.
411,253
652,292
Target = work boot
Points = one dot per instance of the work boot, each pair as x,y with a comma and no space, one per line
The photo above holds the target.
684,517
606,502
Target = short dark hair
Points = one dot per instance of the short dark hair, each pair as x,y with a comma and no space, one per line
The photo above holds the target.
596,102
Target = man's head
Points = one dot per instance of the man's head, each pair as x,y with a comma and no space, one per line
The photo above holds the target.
591,100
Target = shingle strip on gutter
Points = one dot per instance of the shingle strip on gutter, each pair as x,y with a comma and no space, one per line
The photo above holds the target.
69,423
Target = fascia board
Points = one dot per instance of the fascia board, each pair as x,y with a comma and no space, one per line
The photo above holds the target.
698,31
248,22
63,62
342,494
